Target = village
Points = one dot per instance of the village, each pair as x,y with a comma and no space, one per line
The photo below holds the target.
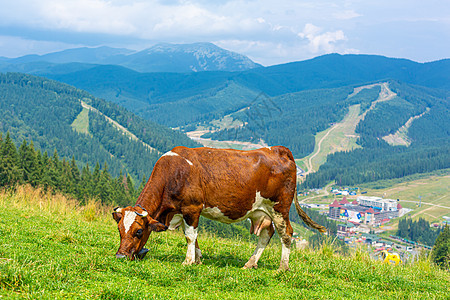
361,222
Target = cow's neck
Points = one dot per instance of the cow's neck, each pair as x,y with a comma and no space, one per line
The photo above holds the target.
151,197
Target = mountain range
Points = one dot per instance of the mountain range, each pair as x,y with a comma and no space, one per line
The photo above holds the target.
159,58
284,104
180,99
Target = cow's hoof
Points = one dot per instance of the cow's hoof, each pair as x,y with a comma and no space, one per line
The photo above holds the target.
142,253
250,266
188,263
283,269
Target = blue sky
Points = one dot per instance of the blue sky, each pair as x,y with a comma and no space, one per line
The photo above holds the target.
269,32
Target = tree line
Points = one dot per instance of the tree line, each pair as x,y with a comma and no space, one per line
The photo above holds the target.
26,165
418,231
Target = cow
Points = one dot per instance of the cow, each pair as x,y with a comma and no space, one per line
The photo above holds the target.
226,185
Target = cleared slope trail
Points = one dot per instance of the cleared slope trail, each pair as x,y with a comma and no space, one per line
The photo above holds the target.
341,133
118,126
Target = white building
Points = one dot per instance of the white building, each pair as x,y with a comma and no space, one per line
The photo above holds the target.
378,203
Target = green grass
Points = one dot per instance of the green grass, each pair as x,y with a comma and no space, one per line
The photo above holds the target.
81,123
54,249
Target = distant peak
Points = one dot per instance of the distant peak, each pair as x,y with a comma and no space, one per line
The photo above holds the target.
164,47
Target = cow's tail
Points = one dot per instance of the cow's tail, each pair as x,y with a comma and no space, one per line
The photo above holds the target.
305,217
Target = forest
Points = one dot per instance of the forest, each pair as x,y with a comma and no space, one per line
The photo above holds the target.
26,165
418,231
291,120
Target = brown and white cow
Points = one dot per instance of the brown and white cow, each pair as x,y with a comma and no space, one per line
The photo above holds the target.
220,184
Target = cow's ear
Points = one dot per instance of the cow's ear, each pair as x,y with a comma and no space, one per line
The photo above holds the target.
117,214
155,225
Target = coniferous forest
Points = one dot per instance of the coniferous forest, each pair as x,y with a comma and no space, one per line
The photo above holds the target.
26,165
418,231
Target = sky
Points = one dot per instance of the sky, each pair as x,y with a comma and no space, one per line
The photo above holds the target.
268,32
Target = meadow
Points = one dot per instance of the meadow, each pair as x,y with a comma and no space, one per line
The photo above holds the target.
54,248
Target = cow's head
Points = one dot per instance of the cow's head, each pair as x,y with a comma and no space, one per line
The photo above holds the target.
135,226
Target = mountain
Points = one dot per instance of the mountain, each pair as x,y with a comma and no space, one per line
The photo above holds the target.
97,55
159,58
335,70
203,96
76,124
187,58
289,104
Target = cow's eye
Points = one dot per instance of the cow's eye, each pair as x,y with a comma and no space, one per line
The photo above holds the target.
139,233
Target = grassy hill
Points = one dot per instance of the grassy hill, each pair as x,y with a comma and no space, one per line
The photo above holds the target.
54,249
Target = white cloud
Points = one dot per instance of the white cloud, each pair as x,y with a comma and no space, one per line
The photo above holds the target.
321,42
346,14
266,30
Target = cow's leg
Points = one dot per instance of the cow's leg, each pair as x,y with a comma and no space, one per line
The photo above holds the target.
284,229
198,253
190,232
263,241
191,217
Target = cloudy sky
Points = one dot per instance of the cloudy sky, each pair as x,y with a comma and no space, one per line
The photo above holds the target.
269,32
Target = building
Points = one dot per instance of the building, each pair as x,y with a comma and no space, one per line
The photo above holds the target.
378,203
345,229
334,210
373,211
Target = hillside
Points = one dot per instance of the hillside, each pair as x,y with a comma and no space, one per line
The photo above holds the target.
64,251
376,160
55,117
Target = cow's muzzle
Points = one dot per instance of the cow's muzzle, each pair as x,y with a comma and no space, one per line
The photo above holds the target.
142,253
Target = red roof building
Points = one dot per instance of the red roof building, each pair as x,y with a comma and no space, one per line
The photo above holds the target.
370,211
344,201
334,204
334,210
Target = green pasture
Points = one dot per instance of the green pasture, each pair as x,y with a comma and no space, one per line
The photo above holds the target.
52,248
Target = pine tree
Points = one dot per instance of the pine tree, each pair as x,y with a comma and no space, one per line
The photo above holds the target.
441,250
28,163
103,189
131,188
9,171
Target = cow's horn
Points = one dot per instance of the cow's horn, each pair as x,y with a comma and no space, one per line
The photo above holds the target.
118,209
144,214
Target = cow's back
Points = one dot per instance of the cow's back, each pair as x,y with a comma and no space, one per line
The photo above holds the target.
230,179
